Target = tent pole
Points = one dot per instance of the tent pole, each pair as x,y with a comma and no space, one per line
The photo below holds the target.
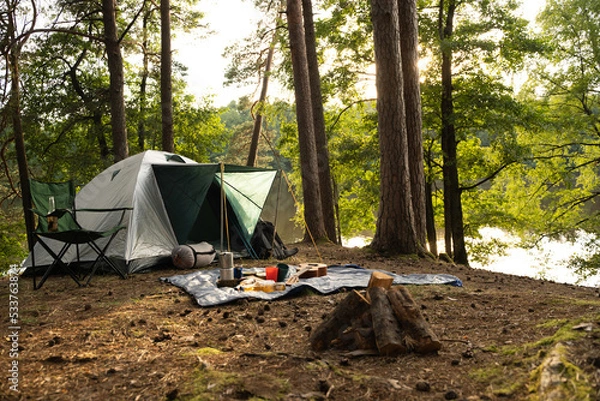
224,220
277,207
221,204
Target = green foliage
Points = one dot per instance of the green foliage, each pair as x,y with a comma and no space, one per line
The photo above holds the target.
354,155
13,241
347,34
487,43
248,56
200,134
553,192
588,265
239,123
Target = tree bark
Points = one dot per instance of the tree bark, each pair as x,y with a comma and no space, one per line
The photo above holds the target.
325,182
313,214
417,333
116,90
454,238
350,307
143,101
409,45
395,232
90,102
385,325
253,152
14,106
166,87
430,217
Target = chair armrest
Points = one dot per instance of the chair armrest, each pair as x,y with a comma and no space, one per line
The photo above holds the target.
56,213
122,211
117,209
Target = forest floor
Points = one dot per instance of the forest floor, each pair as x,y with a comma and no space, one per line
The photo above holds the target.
143,339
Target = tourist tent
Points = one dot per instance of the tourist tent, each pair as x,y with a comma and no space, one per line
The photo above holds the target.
176,201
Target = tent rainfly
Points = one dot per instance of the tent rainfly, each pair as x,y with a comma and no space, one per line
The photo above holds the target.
177,201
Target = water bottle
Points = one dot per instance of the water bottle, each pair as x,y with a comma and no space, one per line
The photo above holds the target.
52,220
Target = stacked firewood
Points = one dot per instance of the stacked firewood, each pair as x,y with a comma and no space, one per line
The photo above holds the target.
383,318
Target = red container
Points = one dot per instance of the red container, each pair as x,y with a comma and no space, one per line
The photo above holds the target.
271,273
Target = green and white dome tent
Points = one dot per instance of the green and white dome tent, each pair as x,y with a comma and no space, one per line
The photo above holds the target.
177,201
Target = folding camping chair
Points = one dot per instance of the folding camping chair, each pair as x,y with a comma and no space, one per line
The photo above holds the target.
54,204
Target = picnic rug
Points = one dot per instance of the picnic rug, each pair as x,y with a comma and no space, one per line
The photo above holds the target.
202,284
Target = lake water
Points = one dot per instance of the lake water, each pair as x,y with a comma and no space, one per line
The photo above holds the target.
547,261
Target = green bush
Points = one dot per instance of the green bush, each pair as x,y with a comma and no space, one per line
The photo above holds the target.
13,241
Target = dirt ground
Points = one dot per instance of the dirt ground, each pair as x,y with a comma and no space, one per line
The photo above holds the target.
143,339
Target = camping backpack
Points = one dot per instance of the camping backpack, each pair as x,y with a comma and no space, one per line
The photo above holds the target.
193,256
267,243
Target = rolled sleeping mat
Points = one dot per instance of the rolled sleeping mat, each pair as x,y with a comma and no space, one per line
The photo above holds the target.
193,255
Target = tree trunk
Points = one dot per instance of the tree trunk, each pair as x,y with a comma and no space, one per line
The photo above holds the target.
325,183
99,133
313,214
141,128
253,153
395,232
430,217
166,88
455,241
15,116
409,44
97,129
116,90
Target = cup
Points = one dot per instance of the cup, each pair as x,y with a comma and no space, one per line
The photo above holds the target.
271,273
52,220
282,271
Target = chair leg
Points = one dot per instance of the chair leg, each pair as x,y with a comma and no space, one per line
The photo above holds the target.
57,262
102,256
33,268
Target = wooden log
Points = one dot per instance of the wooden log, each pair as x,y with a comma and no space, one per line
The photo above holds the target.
417,332
379,279
364,338
338,321
385,325
358,336
362,330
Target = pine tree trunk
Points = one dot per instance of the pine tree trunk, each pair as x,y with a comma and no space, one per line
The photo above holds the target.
313,214
430,217
14,108
253,152
116,89
166,87
395,232
454,238
143,102
325,186
409,42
